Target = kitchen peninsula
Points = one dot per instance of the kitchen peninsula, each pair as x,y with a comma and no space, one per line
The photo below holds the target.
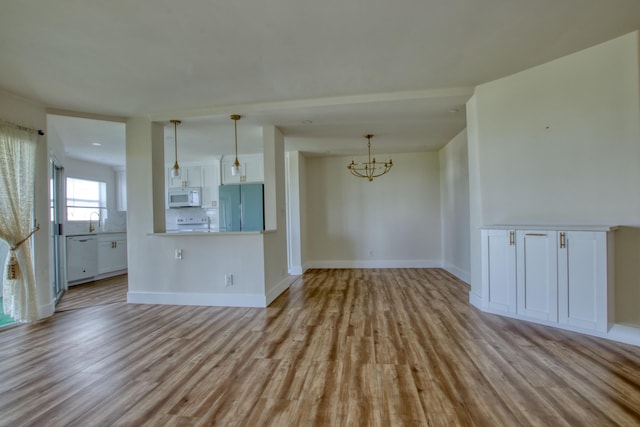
243,268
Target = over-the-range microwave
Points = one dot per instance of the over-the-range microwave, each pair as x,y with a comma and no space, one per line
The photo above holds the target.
184,197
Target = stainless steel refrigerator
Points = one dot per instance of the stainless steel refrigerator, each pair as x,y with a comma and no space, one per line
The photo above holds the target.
241,207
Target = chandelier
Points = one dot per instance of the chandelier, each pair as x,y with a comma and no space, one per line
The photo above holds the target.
175,172
370,169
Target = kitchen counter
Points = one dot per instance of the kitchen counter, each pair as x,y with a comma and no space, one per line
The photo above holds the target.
95,233
210,233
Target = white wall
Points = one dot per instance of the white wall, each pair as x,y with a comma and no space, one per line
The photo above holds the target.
397,216
26,113
558,143
454,193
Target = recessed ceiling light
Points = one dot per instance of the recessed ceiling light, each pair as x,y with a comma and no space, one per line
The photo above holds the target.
97,144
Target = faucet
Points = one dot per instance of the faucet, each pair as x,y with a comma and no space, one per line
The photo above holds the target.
91,227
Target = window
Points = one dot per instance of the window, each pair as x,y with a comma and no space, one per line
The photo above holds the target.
85,197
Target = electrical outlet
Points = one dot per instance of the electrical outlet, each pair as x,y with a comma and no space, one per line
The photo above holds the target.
178,253
370,252
228,280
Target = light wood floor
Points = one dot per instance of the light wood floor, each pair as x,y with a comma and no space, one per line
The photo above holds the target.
341,347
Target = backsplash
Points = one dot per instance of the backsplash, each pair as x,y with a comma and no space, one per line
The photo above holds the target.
171,215
114,222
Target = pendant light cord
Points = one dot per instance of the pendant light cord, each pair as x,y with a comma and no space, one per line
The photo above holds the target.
175,140
235,130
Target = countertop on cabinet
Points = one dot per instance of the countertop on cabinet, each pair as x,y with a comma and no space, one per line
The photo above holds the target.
95,233
210,233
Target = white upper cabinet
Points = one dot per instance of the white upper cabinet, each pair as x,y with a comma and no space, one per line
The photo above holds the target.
210,183
190,176
251,169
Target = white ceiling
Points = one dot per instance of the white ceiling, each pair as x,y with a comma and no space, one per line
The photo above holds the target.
394,69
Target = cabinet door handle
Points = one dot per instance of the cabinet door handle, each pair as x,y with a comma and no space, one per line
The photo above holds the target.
563,242
512,235
536,234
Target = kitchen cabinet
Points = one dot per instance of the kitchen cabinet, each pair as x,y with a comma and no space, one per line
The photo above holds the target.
210,182
112,253
82,257
251,167
560,276
190,176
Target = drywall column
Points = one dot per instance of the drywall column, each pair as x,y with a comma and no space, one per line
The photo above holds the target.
270,177
294,237
275,242
145,189
454,195
475,202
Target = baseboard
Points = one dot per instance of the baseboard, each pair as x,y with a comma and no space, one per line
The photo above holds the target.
277,290
476,300
460,274
296,270
376,264
110,274
625,334
214,300
47,310
617,332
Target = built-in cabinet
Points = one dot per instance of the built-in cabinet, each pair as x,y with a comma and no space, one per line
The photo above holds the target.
190,176
210,182
112,252
561,276
251,169
96,256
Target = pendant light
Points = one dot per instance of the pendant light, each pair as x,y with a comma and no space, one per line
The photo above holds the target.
175,172
235,168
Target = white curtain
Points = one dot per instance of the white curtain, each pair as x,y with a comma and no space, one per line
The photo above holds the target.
17,176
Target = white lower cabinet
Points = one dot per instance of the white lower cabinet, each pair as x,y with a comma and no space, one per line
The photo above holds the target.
112,253
557,276
537,274
499,270
585,279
